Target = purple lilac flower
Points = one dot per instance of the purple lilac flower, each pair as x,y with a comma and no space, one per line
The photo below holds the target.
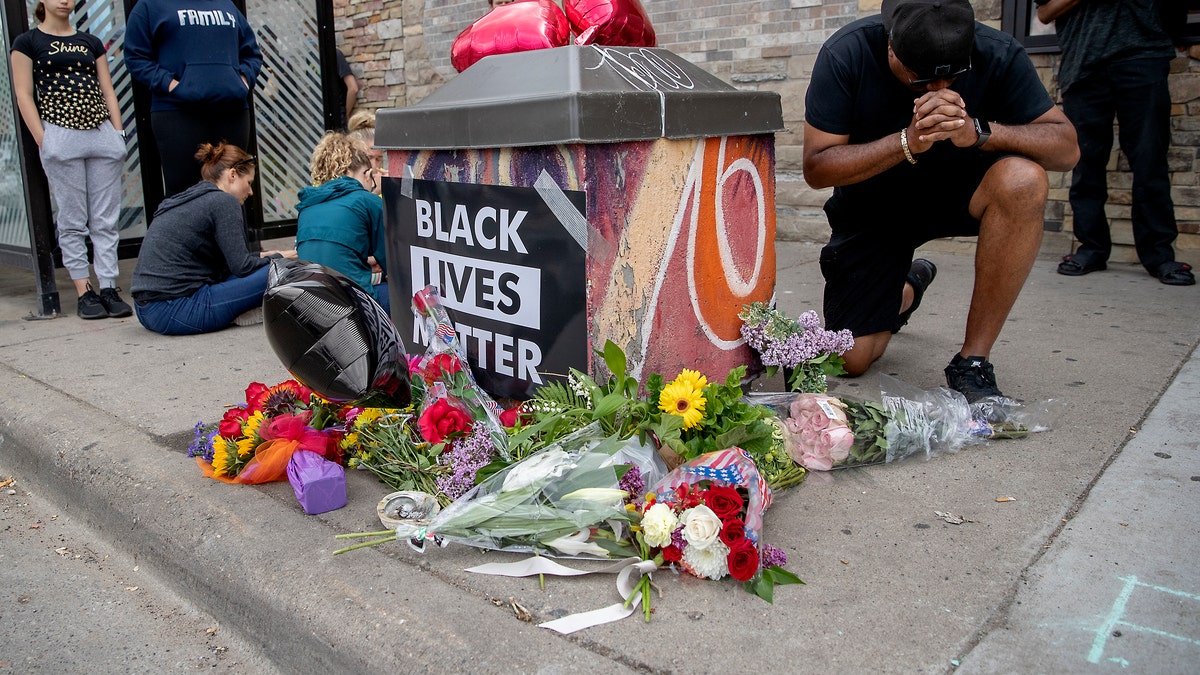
809,343
633,483
466,456
772,557
202,441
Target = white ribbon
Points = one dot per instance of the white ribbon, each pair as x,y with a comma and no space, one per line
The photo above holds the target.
629,572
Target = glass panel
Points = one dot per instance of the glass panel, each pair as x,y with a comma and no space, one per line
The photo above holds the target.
14,223
288,108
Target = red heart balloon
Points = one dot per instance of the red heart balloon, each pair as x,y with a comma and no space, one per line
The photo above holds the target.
616,23
516,27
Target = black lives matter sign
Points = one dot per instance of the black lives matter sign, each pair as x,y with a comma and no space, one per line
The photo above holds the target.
510,275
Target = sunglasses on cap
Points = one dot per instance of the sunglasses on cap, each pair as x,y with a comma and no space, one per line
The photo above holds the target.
922,81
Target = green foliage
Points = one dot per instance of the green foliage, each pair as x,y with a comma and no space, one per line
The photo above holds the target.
764,585
869,422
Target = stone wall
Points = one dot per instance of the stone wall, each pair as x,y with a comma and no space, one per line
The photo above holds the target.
400,51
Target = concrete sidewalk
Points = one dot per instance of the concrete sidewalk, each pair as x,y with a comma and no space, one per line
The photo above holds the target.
1100,537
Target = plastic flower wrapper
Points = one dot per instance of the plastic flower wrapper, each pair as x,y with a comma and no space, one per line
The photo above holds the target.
564,501
824,432
453,402
807,352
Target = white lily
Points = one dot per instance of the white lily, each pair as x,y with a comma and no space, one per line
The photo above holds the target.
577,544
609,496
534,469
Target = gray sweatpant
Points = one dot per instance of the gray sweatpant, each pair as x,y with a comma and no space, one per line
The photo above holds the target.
84,170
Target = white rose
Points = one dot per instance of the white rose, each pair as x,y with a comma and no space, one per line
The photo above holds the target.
700,527
658,523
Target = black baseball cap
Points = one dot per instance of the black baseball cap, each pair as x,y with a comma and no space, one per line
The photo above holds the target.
932,37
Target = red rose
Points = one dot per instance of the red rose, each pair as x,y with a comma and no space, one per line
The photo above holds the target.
671,553
733,530
743,560
231,423
256,393
724,501
513,416
442,365
442,419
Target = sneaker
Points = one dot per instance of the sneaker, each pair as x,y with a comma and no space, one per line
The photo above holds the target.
91,306
973,377
920,275
250,317
113,304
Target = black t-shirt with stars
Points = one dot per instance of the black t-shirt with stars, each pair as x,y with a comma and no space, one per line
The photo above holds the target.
64,75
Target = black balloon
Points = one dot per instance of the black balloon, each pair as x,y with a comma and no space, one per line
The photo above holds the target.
333,337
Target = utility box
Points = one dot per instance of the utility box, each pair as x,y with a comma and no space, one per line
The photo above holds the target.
564,197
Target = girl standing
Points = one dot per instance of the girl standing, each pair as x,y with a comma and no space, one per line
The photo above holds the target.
65,95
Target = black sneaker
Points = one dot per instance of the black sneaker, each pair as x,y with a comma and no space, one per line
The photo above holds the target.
90,306
972,377
920,275
113,304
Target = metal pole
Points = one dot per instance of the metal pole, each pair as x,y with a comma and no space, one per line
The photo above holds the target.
37,193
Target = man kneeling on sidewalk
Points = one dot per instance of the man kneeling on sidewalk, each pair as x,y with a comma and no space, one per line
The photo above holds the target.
928,124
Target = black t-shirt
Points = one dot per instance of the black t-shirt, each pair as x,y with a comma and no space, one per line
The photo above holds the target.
64,77
854,92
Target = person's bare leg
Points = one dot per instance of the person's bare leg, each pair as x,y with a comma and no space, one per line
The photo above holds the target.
867,349
1009,205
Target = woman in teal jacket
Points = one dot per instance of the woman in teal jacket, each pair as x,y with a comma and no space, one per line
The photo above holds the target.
341,219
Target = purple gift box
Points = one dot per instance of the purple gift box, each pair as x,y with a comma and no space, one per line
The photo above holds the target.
320,484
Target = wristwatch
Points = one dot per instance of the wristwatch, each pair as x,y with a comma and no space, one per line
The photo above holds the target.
984,130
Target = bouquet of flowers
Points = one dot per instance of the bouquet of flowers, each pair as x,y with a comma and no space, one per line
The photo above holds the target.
453,403
807,352
706,515
390,445
824,432
254,440
565,500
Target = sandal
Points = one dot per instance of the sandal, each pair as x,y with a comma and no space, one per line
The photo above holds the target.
1175,274
1075,266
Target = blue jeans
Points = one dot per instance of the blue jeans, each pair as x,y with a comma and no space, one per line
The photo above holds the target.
209,309
1135,91
382,297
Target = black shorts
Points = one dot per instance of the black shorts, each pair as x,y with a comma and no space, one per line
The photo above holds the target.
875,233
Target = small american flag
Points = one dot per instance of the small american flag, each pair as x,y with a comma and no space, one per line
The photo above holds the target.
444,331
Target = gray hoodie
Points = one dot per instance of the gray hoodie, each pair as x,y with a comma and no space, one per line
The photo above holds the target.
197,238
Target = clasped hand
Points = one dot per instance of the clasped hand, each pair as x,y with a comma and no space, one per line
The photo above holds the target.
938,116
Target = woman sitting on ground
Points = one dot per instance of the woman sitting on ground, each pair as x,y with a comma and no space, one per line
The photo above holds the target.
340,223
195,272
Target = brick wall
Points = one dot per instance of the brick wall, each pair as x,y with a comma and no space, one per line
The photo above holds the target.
401,52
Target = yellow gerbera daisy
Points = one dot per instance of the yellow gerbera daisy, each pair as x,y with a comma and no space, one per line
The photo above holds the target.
685,397
366,417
